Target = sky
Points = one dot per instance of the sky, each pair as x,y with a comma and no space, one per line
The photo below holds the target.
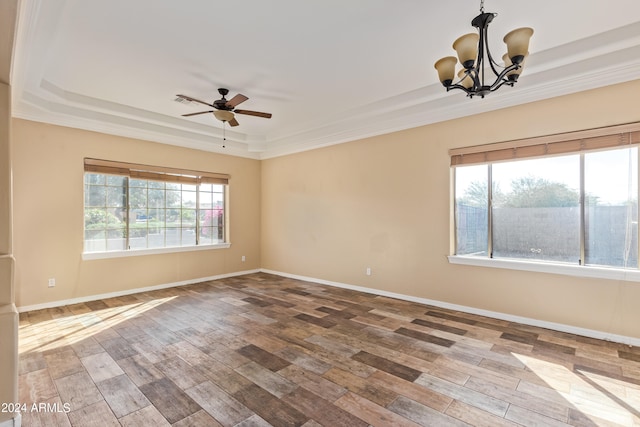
610,175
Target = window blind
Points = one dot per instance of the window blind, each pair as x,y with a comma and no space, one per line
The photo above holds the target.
573,142
156,173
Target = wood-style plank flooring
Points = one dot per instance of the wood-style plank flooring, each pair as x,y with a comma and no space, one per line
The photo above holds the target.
260,350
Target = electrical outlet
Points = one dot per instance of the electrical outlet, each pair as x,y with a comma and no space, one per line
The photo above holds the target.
368,272
52,282
244,258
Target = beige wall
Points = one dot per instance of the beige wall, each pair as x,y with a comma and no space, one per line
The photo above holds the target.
384,203
48,220
330,213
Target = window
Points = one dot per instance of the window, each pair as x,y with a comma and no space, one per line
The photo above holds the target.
578,206
134,207
535,209
611,208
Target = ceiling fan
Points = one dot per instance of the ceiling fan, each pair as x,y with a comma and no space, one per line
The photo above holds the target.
225,109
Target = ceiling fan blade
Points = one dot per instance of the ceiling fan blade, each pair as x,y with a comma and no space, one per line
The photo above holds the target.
233,122
195,114
188,98
238,99
253,113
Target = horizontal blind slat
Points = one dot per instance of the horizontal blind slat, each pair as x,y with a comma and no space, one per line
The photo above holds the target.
574,142
156,173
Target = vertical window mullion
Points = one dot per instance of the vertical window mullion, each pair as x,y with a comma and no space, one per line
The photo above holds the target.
127,206
105,205
225,198
637,222
146,210
166,211
490,211
197,214
583,219
181,228
454,174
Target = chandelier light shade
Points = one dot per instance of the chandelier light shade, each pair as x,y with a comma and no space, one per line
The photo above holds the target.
467,49
507,63
446,69
518,44
465,80
480,73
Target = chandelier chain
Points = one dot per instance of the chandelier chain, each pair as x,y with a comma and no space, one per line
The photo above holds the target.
481,6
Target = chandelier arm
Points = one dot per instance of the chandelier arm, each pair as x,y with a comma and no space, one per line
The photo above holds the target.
462,88
499,84
491,61
481,46
473,75
501,79
477,83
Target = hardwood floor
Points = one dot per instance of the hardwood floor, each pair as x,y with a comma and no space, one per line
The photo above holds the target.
261,350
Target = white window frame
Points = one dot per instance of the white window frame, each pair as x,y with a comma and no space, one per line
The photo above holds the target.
163,174
485,154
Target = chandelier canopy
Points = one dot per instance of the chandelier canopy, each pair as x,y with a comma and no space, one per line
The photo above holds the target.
476,60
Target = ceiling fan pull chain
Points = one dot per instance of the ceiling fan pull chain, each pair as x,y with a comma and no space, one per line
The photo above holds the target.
224,135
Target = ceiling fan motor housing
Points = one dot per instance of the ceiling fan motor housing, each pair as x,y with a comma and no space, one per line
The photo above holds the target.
221,104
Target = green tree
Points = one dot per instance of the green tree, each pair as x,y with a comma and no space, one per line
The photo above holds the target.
152,194
477,195
529,192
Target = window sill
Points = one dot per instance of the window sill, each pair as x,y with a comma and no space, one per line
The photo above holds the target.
549,267
137,252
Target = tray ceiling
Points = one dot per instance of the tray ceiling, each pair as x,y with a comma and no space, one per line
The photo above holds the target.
330,71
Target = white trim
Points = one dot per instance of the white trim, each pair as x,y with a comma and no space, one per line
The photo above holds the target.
16,421
129,292
549,267
591,333
137,252
8,309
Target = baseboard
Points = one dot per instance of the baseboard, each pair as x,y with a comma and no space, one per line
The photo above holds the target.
16,421
79,300
591,333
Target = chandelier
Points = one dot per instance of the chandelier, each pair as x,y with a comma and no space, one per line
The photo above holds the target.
476,60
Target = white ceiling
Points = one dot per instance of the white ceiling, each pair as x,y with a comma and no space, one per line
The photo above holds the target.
330,71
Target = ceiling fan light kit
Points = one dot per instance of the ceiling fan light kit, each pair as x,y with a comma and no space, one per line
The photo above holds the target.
223,115
476,60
